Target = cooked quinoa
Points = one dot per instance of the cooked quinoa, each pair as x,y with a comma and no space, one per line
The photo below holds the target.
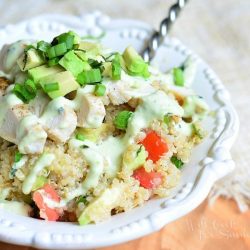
101,133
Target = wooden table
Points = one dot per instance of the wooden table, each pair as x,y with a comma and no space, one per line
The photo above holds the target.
206,228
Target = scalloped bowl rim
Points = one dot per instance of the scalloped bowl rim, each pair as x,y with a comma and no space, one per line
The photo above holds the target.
214,165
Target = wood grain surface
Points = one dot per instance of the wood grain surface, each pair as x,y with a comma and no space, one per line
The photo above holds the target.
207,228
219,32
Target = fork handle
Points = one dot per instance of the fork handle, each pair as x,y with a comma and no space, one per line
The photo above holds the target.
157,37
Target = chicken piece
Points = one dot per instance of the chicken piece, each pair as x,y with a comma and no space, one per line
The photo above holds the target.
91,111
38,104
9,55
59,120
4,83
117,94
10,121
30,135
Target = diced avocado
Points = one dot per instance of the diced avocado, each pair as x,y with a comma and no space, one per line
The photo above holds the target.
107,69
42,71
16,207
92,49
40,181
65,80
134,157
102,205
94,134
30,59
72,62
135,65
81,54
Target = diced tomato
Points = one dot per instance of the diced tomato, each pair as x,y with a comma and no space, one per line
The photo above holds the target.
147,180
155,146
47,213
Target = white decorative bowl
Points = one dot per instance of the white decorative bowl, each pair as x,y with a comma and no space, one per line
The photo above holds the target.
210,161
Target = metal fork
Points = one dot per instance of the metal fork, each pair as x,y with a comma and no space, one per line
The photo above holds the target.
157,37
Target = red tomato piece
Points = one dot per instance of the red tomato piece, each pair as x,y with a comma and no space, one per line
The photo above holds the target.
147,180
155,146
47,213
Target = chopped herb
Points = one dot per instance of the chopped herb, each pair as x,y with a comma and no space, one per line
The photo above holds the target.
139,151
84,146
197,131
167,119
18,156
178,77
121,120
100,90
50,87
82,199
80,137
177,162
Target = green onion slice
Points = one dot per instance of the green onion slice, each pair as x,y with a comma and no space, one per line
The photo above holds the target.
80,137
92,76
116,67
30,86
100,90
50,87
43,46
121,120
18,156
178,77
177,162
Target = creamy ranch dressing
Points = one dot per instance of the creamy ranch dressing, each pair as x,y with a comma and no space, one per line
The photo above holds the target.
17,165
45,160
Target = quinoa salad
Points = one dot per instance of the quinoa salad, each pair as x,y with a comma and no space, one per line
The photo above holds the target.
87,133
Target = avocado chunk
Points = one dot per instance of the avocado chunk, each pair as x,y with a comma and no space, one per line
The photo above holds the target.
95,134
65,80
102,205
30,59
135,65
42,71
72,63
92,49
134,157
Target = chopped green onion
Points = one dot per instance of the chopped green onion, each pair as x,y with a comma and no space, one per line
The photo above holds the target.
197,131
30,86
166,119
92,76
21,92
82,199
80,137
177,162
57,50
94,63
178,77
50,87
18,156
43,46
116,67
53,61
121,120
100,90
67,39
